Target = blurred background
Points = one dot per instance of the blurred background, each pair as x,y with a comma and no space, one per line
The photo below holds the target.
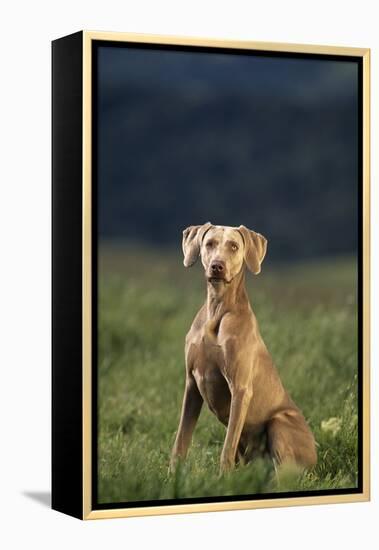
266,141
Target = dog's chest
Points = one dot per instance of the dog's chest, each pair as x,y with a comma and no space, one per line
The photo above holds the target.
207,361
205,354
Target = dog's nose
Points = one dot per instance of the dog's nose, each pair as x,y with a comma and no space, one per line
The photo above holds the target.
217,267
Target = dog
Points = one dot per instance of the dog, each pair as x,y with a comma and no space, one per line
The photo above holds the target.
227,363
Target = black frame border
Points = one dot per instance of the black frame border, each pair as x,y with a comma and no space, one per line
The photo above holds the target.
67,257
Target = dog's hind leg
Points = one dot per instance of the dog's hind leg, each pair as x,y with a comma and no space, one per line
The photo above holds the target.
290,440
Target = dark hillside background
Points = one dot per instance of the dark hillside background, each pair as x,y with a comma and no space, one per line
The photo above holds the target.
268,142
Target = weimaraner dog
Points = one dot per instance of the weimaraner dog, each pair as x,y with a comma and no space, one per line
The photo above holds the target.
227,363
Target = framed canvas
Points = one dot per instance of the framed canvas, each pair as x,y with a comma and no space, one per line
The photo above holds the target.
244,381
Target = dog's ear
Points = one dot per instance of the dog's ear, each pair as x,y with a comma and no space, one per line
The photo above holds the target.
192,238
255,248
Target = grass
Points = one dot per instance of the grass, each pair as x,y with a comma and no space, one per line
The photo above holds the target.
147,300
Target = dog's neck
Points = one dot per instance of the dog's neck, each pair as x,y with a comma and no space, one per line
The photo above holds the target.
224,297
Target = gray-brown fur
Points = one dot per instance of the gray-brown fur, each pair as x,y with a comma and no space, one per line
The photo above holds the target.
227,363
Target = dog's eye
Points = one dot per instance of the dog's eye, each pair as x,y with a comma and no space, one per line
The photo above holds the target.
234,247
209,244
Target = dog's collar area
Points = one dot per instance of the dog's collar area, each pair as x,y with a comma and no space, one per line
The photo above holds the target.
217,280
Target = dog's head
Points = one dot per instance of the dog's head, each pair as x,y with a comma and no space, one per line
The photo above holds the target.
223,250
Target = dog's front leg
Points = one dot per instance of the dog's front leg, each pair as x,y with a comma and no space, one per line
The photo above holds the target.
240,399
192,403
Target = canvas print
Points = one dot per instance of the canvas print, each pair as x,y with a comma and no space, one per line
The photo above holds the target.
228,303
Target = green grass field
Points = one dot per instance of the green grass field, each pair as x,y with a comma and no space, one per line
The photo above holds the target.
308,318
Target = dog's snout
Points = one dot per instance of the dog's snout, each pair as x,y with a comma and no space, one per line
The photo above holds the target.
218,267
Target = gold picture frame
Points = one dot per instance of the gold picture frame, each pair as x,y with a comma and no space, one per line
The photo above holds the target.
82,45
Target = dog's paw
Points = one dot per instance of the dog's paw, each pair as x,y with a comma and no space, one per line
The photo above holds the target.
174,464
226,464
